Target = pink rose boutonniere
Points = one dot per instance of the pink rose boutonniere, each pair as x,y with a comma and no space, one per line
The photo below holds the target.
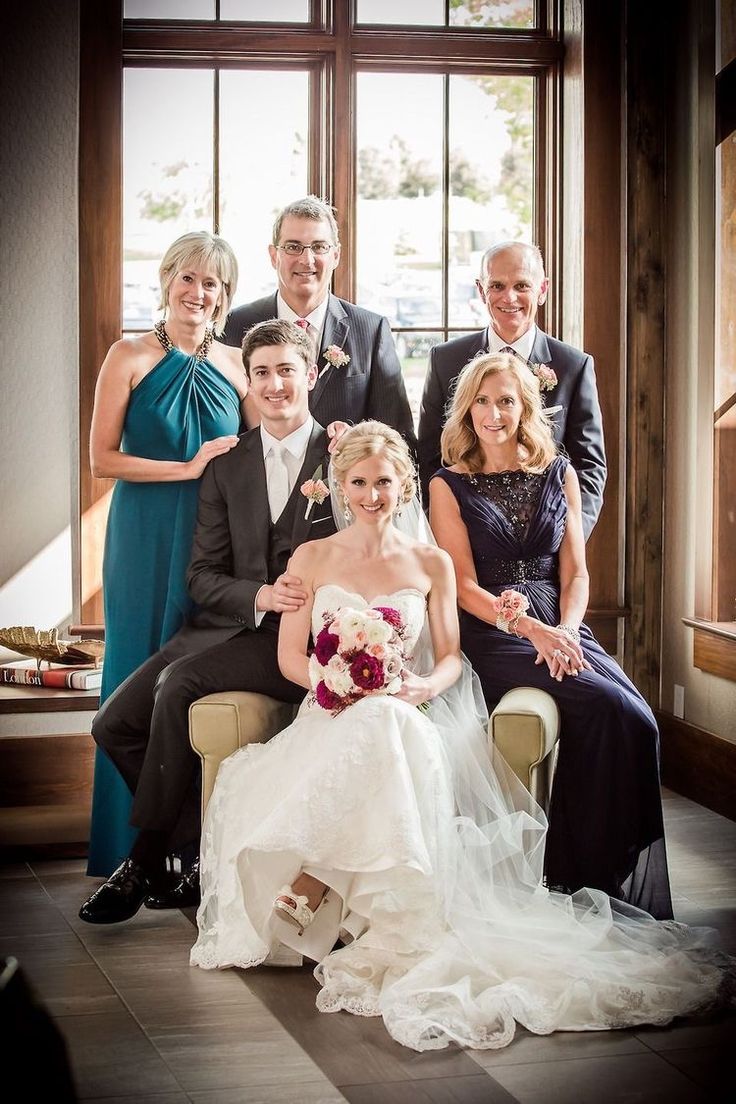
335,357
546,376
315,490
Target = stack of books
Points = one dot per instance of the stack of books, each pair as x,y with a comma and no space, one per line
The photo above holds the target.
56,677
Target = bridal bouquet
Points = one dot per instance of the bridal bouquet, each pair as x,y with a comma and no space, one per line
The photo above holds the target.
358,652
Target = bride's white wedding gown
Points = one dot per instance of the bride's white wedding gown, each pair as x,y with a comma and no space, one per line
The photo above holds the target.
433,856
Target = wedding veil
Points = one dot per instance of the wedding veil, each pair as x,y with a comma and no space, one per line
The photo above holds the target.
581,961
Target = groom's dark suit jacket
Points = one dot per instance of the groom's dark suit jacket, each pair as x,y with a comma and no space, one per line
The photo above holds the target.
236,547
577,425
370,386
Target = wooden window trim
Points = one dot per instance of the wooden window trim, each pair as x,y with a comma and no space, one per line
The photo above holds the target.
714,646
109,44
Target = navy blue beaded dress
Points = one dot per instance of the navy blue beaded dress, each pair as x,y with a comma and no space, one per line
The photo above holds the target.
605,818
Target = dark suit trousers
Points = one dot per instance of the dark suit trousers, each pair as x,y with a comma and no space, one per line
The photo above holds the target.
144,725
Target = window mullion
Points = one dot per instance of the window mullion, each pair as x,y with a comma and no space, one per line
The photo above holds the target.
216,147
445,247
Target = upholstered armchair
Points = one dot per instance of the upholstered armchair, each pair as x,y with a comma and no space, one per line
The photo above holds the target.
524,727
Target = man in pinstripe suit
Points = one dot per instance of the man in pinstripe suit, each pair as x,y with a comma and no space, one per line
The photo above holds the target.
305,251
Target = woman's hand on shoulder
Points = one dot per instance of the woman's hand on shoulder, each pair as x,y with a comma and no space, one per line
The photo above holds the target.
207,451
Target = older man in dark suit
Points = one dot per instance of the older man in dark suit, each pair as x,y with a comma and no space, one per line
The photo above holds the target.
251,516
359,375
513,286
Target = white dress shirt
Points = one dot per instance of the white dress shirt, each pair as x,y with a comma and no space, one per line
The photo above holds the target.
523,347
316,319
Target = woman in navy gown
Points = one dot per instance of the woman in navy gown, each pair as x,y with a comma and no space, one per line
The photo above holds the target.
167,401
507,509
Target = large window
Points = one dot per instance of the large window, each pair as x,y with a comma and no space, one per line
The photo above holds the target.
445,168
198,169
429,125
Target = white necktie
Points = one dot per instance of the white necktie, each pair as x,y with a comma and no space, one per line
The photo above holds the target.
278,482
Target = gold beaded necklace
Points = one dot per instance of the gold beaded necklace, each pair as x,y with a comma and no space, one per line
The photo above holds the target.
160,331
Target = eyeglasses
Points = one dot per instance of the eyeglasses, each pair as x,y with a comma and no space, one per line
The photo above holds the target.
295,249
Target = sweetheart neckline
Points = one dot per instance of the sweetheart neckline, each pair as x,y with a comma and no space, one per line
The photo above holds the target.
369,601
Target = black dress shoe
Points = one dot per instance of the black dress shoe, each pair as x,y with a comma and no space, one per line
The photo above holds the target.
119,897
184,893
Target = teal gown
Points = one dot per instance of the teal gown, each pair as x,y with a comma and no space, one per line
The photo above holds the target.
181,403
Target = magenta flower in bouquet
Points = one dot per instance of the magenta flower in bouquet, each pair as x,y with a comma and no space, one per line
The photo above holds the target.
357,653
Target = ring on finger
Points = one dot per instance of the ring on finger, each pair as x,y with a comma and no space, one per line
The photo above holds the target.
557,652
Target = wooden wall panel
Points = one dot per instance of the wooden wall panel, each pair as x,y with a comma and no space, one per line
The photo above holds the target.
698,764
100,257
603,288
645,310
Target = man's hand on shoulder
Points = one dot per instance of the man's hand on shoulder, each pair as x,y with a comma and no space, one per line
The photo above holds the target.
284,596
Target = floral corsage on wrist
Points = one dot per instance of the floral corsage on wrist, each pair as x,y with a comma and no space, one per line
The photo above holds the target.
335,357
510,607
546,376
315,490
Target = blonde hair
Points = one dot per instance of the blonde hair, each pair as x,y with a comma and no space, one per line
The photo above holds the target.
375,439
200,249
459,443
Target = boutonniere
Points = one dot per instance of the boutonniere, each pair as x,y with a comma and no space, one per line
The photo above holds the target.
335,357
315,490
547,376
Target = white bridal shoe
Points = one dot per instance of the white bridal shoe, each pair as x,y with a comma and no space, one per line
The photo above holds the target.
299,914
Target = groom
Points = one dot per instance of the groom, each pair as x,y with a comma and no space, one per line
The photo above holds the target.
251,517
513,286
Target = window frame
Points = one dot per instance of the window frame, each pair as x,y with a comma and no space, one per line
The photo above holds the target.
335,49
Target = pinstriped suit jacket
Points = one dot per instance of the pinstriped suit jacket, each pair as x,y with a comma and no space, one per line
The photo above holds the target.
370,386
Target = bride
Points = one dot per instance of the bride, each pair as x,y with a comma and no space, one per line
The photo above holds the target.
385,824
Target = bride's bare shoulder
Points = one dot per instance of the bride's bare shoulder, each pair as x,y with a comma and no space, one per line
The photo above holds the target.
316,550
431,558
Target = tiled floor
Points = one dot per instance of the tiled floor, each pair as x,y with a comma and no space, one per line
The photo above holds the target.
142,1027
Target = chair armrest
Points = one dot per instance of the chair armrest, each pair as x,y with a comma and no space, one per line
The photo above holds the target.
524,727
219,724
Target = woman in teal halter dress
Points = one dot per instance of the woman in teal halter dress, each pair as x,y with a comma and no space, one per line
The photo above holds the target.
160,415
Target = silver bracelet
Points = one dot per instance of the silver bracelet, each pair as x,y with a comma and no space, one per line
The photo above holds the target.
571,632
